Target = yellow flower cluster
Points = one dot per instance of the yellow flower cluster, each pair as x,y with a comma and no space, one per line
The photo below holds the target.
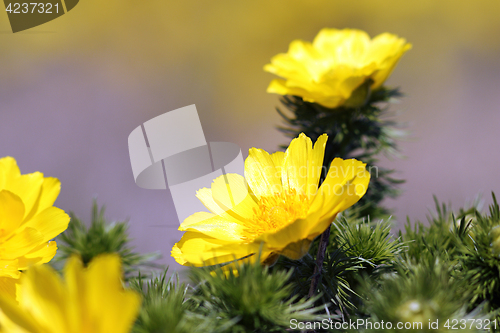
28,221
277,209
336,66
89,300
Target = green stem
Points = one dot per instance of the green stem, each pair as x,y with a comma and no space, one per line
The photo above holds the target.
316,278
325,236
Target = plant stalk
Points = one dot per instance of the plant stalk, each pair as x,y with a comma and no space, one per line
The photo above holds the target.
316,278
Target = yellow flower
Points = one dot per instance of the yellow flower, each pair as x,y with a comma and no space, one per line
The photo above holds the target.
28,221
338,62
281,210
90,300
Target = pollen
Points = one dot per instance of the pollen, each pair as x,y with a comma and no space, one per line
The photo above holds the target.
276,212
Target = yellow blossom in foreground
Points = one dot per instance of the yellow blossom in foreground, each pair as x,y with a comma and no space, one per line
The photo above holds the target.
330,69
279,212
90,300
28,221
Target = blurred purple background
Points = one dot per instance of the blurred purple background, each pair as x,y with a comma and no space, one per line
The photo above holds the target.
73,89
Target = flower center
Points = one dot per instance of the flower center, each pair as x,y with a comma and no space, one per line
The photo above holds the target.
415,311
495,240
276,212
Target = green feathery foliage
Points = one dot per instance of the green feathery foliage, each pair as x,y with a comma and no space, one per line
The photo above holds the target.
442,238
425,293
467,242
356,247
371,242
372,245
361,132
101,237
258,298
166,308
480,261
334,289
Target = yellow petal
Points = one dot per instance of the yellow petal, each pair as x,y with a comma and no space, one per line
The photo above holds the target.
283,87
50,191
40,255
302,165
340,171
28,187
278,86
300,50
349,84
11,213
176,253
324,222
15,319
294,172
112,308
42,292
355,190
261,174
387,49
345,46
213,226
207,199
50,222
316,164
198,249
285,66
8,170
327,40
278,158
104,270
21,243
345,183
8,287
48,195
10,268
206,196
75,279
195,248
233,195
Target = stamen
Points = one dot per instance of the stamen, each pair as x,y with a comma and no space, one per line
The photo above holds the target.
276,212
